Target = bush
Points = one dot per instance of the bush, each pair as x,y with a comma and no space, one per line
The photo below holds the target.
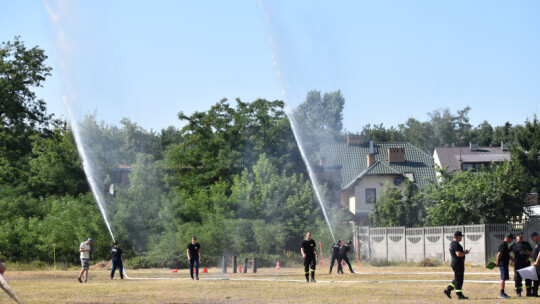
429,262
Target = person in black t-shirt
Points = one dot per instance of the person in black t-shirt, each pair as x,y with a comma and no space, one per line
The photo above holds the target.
194,257
309,253
503,261
522,251
344,256
536,257
458,266
335,254
117,254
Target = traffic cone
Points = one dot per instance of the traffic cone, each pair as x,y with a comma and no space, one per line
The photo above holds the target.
239,268
204,271
277,265
176,270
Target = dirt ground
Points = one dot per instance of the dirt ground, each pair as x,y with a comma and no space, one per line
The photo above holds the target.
268,285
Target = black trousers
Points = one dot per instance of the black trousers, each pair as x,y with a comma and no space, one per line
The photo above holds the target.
346,259
334,259
517,277
310,262
459,274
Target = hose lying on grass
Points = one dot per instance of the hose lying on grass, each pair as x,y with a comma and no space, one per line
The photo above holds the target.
5,286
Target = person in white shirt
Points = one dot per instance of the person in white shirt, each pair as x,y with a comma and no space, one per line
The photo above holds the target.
84,249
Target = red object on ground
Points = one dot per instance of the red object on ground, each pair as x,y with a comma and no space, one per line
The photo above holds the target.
204,271
239,268
277,265
176,270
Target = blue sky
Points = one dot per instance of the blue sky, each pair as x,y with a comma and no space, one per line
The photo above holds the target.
149,60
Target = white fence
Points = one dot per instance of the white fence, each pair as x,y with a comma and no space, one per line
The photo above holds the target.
415,244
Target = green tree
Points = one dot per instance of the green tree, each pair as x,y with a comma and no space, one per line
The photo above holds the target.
397,208
419,134
22,114
526,153
221,142
379,133
483,134
54,165
450,129
469,197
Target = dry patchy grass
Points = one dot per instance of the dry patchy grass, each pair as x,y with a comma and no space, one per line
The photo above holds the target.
266,286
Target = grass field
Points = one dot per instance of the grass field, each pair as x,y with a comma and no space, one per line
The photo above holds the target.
268,285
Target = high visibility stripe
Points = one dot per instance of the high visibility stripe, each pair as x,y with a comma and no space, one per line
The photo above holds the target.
312,270
452,284
528,287
458,290
519,288
307,272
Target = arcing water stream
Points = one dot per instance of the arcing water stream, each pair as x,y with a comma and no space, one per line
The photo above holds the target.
86,166
289,113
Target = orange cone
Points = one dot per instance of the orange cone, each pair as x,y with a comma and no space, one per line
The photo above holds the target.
176,270
239,268
277,265
204,271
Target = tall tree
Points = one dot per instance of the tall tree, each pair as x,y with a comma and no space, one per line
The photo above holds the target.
223,141
526,152
490,196
21,112
483,134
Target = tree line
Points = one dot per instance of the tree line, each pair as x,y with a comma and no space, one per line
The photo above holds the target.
232,175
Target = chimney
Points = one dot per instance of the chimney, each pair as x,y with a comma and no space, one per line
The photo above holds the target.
322,161
396,155
370,159
473,146
504,147
355,139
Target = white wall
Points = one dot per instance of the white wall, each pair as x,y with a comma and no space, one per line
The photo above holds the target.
376,182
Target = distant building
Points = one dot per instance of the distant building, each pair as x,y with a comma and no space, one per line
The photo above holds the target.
360,171
472,157
120,175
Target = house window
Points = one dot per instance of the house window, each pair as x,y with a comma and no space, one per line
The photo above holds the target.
467,167
371,196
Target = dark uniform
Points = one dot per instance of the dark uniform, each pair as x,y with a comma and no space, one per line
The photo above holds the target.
309,260
194,260
116,255
458,266
521,261
344,256
335,255
535,253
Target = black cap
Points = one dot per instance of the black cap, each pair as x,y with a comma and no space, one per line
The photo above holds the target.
116,242
534,234
350,242
338,241
509,235
458,233
90,240
519,234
